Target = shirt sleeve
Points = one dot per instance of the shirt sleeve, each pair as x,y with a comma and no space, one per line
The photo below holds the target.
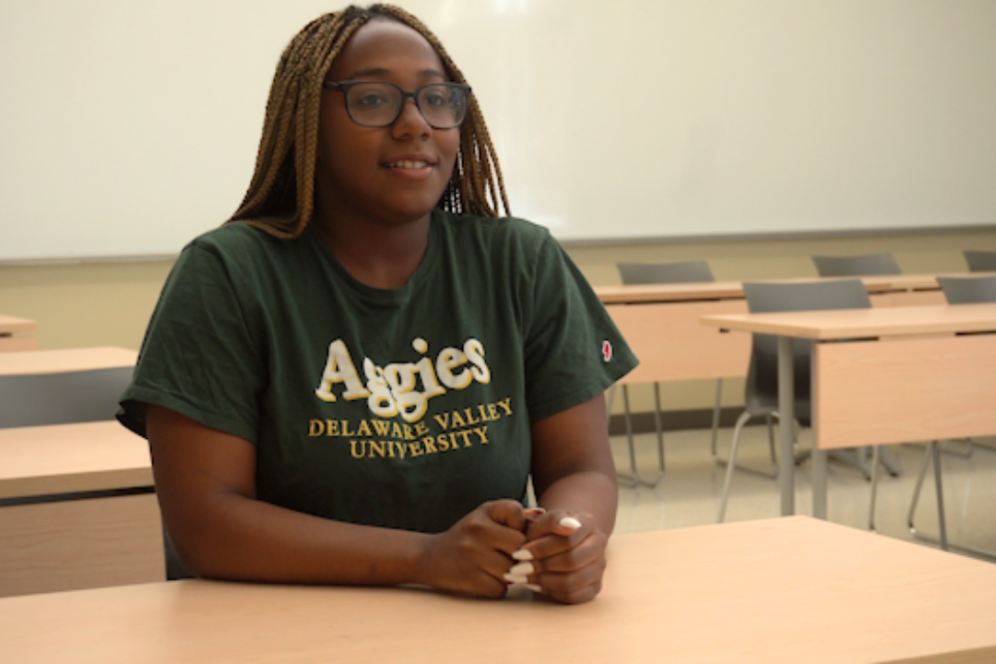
199,357
573,351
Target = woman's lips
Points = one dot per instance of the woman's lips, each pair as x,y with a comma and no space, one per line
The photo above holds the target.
412,169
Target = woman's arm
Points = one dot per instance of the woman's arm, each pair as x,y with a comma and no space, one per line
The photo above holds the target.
205,481
574,476
572,463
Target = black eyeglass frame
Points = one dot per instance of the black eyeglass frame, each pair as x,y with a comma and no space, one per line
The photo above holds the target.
345,86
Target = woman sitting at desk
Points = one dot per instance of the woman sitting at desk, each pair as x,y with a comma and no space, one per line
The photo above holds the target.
352,380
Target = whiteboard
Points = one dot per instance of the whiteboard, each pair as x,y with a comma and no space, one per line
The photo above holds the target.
127,128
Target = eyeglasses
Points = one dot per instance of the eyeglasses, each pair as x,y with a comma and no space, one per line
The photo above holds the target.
379,103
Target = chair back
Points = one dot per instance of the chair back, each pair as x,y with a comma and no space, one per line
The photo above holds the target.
761,391
981,261
968,290
77,396
665,273
60,398
856,266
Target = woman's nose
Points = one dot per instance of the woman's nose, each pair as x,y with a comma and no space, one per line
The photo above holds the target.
411,122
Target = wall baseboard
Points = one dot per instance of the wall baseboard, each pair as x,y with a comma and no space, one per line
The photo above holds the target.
674,420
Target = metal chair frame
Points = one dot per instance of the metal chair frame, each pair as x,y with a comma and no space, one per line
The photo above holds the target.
760,392
931,453
633,478
957,290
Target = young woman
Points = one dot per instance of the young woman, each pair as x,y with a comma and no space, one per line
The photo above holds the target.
351,381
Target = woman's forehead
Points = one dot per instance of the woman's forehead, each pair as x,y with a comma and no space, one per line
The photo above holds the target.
382,46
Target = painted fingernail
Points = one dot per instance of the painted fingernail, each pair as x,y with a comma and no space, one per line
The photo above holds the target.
515,578
523,554
534,587
534,511
524,569
570,522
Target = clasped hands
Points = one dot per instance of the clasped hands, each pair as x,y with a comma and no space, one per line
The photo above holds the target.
557,553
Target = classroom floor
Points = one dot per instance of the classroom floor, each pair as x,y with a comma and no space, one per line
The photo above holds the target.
689,493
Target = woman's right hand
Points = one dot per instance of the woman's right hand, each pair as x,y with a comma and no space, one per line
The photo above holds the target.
472,557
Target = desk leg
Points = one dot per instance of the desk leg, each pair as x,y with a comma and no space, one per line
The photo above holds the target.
819,483
786,408
819,457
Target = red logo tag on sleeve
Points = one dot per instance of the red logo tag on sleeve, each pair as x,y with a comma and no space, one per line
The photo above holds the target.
606,351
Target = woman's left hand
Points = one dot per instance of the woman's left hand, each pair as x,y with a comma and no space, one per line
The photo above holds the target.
568,555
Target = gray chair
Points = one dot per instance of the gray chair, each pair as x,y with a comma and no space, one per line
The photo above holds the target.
957,290
662,273
968,290
981,261
856,266
665,273
67,397
761,389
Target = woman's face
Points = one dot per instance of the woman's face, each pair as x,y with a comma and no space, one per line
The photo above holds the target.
361,172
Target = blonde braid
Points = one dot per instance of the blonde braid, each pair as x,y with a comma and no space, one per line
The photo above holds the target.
475,139
280,198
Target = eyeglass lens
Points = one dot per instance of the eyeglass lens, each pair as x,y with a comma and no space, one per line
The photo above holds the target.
378,104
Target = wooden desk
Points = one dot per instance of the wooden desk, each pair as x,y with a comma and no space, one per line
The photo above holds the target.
667,318
916,385
72,359
715,290
17,334
76,509
774,591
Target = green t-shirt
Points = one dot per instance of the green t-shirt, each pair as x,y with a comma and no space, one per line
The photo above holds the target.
403,408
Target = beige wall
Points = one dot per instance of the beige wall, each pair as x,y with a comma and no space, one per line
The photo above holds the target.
89,304
109,304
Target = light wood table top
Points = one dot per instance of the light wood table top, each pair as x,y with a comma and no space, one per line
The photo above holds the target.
638,293
849,323
11,324
718,290
71,458
72,359
782,590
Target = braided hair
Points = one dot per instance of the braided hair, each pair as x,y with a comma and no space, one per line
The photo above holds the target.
280,199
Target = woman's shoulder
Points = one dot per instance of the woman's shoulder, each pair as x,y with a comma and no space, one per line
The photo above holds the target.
235,238
240,245
510,231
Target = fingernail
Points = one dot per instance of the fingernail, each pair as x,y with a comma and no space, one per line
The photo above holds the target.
523,554
534,511
524,569
570,522
515,578
534,587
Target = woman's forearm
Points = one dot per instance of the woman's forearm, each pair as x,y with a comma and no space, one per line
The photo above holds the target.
586,491
239,538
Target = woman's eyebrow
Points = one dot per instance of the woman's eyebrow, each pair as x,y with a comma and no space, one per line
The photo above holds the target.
381,72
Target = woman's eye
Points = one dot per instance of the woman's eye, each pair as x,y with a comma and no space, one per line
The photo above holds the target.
371,100
436,99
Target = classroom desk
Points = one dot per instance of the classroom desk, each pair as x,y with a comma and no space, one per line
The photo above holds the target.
76,509
890,376
17,334
667,318
67,360
772,591
714,290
